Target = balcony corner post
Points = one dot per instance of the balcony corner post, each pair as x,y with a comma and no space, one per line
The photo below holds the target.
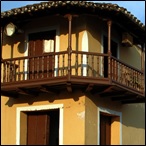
1,41
142,57
142,65
109,23
69,49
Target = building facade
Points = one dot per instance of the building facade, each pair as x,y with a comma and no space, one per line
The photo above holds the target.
72,72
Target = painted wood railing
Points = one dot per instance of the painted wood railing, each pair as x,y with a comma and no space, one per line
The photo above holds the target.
127,75
87,64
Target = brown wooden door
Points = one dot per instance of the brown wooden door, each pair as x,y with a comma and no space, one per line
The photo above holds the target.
41,66
105,130
35,64
43,127
105,45
114,47
38,125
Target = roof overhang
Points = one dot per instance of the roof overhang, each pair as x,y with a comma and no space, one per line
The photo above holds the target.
118,15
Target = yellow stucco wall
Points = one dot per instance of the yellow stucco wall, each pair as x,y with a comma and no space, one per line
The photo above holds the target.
80,117
94,27
133,128
132,125
73,115
127,56
94,33
90,122
92,105
13,48
80,124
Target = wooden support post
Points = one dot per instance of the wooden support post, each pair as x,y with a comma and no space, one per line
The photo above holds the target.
69,16
142,57
1,41
69,49
142,68
109,23
69,33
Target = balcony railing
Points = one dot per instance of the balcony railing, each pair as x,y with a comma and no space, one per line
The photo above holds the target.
89,65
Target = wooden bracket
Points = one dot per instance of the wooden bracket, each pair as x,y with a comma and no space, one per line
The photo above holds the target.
69,87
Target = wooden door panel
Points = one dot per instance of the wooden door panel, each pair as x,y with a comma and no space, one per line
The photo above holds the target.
102,131
105,130
114,47
31,61
105,45
41,66
35,65
38,129
108,130
31,129
42,129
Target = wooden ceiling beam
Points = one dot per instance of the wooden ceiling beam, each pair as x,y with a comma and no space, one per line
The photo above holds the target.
99,90
137,100
124,97
9,94
27,91
47,89
114,93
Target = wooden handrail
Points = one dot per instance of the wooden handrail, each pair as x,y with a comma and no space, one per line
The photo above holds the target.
10,63
89,53
87,64
129,66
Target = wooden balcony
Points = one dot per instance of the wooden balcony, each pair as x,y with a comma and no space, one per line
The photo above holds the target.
97,73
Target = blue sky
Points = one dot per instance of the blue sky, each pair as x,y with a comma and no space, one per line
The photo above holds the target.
137,8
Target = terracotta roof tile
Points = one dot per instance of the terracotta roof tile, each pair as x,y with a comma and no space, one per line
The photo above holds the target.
53,4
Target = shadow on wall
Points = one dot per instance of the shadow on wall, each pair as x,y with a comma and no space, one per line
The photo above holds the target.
77,27
50,97
19,41
134,115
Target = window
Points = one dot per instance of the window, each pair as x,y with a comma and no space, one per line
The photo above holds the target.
48,46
